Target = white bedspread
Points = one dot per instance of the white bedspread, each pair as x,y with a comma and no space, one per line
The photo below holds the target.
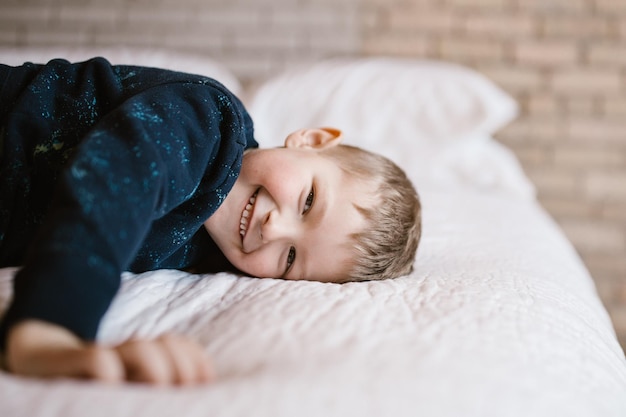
500,318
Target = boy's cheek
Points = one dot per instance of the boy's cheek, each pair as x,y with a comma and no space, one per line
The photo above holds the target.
258,265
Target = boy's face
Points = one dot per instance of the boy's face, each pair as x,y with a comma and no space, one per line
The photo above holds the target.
291,212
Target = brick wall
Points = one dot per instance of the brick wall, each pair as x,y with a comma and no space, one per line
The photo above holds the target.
254,38
564,60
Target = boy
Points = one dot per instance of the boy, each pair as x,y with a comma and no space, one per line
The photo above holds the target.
105,169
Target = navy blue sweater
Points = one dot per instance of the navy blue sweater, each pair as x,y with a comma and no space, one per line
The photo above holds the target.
105,169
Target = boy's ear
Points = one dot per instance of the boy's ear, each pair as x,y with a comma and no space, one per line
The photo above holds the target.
314,138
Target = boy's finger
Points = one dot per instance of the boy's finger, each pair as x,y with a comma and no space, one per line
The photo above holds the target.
103,364
189,363
145,361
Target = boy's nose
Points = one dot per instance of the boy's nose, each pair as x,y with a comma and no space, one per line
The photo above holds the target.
277,226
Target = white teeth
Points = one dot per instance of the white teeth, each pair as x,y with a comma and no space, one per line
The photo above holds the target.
243,224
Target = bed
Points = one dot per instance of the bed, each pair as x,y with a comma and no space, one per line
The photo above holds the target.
499,318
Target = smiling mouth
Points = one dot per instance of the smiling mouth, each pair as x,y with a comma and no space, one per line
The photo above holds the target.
246,215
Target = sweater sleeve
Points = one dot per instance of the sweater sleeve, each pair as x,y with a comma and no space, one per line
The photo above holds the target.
154,152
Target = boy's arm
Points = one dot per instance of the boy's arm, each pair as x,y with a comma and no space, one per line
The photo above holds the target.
37,348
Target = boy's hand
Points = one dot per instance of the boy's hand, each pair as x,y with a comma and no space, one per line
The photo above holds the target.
40,349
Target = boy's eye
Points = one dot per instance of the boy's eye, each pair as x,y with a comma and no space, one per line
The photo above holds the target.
291,258
309,201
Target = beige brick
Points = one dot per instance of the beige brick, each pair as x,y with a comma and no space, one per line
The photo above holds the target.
555,6
587,81
26,13
308,17
249,67
613,211
394,44
422,21
621,338
489,5
546,53
158,16
602,54
581,106
620,284
89,14
232,18
594,236
567,207
547,130
610,6
56,3
618,317
505,25
471,49
608,269
149,39
614,106
371,20
10,36
610,272
542,105
577,27
597,130
514,79
606,186
269,42
612,306
73,22
588,156
532,156
332,43
10,25
69,38
206,43
555,183
621,28
514,133
606,290
330,4
533,131
397,3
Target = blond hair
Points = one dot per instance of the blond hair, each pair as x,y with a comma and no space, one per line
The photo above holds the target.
386,246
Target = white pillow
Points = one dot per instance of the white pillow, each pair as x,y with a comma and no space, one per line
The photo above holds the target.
159,58
435,119
381,99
